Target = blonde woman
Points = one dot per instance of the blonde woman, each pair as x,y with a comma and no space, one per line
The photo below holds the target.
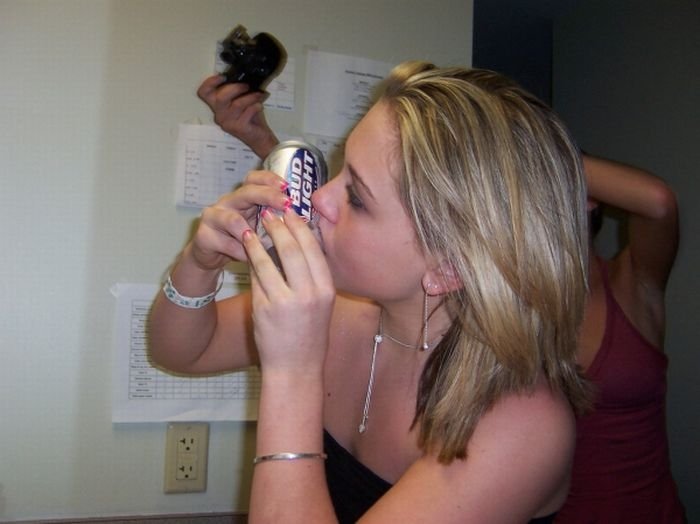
419,362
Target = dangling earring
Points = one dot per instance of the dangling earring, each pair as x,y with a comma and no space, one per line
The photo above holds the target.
425,322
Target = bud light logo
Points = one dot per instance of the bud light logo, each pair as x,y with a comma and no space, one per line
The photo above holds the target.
303,181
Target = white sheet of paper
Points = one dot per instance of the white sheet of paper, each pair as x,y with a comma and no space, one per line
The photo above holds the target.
281,89
209,164
339,91
143,393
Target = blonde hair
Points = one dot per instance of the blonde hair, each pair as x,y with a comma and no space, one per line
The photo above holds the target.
494,185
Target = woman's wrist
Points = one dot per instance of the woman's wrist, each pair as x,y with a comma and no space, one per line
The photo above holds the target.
190,278
285,426
190,302
265,148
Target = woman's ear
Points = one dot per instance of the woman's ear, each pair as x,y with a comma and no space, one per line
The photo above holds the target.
441,279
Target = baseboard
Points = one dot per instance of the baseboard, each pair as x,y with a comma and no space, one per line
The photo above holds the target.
200,518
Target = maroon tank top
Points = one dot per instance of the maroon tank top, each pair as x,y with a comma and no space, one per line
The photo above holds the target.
621,470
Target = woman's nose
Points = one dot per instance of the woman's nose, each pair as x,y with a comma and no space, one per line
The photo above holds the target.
324,200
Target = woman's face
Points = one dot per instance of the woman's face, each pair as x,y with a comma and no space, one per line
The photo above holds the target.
369,241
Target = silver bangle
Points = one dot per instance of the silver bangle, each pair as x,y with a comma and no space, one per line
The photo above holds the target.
176,298
288,456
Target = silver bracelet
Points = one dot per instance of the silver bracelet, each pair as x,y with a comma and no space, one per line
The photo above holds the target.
176,298
289,456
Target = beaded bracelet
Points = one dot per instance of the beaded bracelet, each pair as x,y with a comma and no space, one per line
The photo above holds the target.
176,298
289,456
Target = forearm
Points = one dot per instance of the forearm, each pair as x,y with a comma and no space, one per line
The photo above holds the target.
652,218
290,420
263,147
630,189
177,335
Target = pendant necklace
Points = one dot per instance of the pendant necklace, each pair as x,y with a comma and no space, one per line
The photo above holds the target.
378,338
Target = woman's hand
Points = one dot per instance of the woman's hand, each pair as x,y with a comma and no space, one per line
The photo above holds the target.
218,238
292,315
239,112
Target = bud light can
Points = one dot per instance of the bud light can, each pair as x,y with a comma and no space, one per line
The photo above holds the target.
304,169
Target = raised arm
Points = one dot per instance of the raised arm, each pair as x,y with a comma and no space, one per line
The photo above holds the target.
218,336
652,214
239,112
640,270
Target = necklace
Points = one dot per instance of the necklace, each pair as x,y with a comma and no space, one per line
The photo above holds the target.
378,338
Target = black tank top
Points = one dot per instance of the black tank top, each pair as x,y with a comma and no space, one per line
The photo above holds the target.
354,488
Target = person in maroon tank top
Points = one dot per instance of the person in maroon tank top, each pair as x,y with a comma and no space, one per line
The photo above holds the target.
621,470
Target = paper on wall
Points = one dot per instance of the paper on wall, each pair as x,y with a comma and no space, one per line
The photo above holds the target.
144,393
339,91
209,164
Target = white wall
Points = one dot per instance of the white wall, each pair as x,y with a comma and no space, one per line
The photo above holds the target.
626,80
91,92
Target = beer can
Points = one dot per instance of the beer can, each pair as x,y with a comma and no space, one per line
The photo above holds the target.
304,169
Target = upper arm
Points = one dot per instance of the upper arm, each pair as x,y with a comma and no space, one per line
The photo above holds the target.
199,342
517,468
652,243
232,344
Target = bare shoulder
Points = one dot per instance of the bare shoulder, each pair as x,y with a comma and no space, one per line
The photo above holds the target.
517,466
539,426
532,437
524,446
518,410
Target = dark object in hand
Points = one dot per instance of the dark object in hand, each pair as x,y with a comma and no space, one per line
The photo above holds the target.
253,61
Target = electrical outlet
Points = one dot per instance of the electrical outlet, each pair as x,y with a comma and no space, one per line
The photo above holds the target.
186,450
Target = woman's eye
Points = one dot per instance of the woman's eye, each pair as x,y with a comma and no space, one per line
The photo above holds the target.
353,199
